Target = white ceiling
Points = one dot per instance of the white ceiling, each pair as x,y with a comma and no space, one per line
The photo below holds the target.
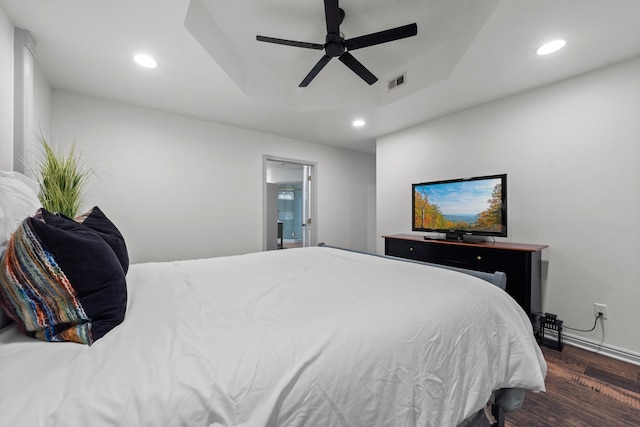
467,52
272,72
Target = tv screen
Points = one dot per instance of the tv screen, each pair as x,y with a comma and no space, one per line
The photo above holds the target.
462,206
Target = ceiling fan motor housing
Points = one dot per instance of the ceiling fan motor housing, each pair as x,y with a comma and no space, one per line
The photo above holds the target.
334,45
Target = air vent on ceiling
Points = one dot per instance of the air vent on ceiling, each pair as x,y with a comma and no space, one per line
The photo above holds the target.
397,81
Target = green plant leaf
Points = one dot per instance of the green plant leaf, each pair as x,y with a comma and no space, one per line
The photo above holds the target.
62,181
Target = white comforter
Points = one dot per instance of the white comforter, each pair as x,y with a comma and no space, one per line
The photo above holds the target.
300,337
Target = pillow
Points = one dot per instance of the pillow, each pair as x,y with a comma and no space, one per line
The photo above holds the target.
61,281
18,200
96,220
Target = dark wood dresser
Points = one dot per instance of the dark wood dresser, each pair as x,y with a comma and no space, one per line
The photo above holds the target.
520,262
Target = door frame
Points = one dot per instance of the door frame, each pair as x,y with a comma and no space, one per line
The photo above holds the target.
313,239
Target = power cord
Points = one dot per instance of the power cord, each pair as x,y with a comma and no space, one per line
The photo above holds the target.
590,330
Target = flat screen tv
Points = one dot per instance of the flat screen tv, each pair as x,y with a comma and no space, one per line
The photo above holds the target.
461,208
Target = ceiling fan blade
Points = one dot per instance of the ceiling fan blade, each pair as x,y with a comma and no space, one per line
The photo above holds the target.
355,66
382,37
290,42
315,70
332,16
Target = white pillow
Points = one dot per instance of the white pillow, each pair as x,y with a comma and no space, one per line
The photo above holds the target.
18,200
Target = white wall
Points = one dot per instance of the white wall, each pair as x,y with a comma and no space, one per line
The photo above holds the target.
183,188
571,151
6,92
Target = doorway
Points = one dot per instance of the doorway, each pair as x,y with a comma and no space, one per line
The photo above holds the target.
289,203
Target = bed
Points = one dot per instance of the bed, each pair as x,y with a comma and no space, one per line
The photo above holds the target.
299,337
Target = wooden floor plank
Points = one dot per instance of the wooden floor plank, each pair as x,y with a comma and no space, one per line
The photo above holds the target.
584,389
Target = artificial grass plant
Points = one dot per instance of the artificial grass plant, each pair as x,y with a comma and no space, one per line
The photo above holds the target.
62,181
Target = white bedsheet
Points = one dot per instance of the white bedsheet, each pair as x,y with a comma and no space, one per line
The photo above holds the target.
298,337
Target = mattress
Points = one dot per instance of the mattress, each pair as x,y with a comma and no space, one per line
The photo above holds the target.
297,337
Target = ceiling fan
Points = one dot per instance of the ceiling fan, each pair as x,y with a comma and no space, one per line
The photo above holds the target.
336,46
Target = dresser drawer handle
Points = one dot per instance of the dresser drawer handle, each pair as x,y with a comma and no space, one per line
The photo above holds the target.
410,249
479,257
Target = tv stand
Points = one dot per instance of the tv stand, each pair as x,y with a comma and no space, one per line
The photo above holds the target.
520,262
453,236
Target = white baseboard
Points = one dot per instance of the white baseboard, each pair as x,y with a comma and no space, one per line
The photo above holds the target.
601,348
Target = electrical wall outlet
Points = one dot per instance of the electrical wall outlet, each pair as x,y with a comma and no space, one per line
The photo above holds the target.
600,309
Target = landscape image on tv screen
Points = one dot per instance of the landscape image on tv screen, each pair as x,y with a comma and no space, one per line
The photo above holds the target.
466,205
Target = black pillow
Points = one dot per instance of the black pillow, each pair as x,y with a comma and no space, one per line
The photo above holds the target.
61,281
96,220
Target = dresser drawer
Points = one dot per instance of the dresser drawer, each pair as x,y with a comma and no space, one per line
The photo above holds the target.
469,257
405,249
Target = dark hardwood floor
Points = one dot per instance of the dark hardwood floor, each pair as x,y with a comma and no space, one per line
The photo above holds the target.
584,389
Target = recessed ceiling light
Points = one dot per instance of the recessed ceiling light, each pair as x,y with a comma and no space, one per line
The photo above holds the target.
551,47
145,61
358,123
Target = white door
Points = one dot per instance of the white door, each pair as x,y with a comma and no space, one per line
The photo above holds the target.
272,217
307,225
